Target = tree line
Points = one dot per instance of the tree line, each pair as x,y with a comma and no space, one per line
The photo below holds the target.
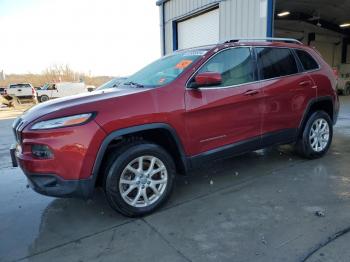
54,74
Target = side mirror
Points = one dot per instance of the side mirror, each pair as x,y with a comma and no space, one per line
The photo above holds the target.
207,79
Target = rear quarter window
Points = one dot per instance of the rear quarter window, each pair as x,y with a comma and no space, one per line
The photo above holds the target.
276,62
308,62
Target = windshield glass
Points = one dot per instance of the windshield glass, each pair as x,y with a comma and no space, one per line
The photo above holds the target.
45,87
165,70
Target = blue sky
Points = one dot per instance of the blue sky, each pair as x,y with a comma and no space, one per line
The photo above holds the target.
104,37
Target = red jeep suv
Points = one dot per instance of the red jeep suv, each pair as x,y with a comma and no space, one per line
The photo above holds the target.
189,107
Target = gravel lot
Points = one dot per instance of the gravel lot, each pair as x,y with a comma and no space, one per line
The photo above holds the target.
259,206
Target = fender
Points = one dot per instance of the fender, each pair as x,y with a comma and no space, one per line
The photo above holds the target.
310,104
125,131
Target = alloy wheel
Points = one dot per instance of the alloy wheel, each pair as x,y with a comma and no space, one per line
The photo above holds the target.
319,135
143,181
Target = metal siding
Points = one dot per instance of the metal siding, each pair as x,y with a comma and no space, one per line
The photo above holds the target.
241,18
238,18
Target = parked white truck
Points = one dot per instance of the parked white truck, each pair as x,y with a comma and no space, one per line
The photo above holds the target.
23,90
56,90
343,86
16,94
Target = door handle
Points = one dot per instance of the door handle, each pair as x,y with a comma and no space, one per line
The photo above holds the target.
251,92
305,83
19,90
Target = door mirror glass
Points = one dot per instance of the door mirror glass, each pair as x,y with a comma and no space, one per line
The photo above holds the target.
207,79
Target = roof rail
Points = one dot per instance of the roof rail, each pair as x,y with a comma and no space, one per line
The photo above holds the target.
268,39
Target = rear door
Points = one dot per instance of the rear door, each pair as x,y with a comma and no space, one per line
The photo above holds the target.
228,113
287,91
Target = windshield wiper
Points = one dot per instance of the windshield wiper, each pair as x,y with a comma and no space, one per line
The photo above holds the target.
131,83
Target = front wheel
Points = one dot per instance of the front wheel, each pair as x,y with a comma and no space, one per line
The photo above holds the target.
138,178
316,137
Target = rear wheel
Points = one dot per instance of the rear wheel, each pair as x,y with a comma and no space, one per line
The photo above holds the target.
44,98
317,136
138,178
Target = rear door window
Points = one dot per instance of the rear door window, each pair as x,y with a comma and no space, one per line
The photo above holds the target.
276,62
308,62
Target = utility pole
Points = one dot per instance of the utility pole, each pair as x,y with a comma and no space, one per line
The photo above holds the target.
2,75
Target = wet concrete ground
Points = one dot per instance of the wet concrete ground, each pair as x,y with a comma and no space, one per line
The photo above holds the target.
256,207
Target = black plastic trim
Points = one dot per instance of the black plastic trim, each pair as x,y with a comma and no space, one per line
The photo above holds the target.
311,103
52,185
280,137
126,131
13,155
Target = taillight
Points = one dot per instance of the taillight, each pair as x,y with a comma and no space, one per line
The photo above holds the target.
33,91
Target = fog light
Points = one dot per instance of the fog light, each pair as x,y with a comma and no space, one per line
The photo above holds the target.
42,151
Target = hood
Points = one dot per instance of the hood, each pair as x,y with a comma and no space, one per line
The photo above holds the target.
77,100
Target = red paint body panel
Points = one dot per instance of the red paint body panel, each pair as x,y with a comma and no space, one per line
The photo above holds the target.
217,117
73,159
285,101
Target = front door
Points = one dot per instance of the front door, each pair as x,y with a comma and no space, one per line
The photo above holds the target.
228,113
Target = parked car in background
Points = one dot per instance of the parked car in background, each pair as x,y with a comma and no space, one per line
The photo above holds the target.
183,110
22,91
115,82
343,86
62,89
2,91
90,88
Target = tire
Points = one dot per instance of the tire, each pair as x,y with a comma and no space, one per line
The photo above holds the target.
346,91
44,98
313,143
123,165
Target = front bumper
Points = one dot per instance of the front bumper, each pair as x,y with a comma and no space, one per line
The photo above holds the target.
52,185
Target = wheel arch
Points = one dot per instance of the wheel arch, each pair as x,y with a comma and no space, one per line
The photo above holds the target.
324,103
148,132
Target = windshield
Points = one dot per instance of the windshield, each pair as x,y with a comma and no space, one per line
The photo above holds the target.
19,85
45,87
165,70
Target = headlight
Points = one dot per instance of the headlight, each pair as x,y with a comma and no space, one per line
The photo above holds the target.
63,122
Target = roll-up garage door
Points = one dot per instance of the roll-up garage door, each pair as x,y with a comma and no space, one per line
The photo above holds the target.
199,30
